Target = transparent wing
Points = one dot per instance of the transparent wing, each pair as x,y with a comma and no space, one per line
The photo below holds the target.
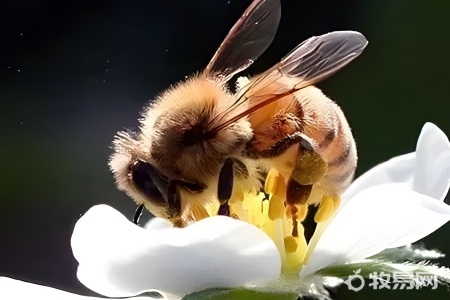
310,62
247,40
319,57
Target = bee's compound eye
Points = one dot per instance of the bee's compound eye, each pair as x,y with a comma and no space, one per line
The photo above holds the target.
142,176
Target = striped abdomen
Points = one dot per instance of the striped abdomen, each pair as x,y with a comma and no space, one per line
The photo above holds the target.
307,112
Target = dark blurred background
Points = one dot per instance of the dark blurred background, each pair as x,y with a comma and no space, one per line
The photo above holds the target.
73,73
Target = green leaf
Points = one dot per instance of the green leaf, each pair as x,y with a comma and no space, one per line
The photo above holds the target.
237,294
365,268
415,252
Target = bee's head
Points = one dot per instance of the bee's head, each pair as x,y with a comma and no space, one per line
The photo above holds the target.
138,175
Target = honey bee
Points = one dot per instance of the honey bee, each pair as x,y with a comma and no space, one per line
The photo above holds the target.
199,144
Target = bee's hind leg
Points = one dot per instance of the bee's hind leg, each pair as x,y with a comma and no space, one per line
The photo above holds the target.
327,207
309,168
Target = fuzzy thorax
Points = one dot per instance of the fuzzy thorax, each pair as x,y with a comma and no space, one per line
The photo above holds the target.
179,129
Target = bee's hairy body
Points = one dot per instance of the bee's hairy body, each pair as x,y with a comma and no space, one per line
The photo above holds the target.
200,146
174,131
181,148
178,130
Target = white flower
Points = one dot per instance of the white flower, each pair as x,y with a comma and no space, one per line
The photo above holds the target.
394,204
118,258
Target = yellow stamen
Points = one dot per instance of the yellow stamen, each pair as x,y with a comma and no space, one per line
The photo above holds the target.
198,211
302,212
278,237
295,259
276,208
254,206
327,207
236,205
290,244
315,239
270,185
281,220
275,184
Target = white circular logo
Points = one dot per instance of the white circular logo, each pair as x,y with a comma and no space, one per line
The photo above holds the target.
354,277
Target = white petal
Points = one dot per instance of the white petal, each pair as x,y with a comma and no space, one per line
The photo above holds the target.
426,171
399,169
118,258
11,289
384,216
432,172
158,224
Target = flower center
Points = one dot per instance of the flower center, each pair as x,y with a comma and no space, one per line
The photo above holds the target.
282,222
